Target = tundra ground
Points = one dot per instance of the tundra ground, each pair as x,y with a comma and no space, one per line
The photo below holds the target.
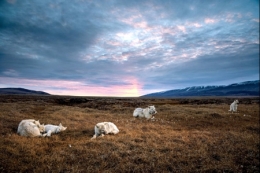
187,135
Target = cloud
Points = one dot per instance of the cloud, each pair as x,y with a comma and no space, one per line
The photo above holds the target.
255,20
209,21
10,72
136,46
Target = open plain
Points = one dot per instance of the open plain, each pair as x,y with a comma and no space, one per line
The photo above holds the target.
187,135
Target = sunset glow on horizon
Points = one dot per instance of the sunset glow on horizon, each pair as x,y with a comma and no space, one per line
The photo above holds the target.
74,88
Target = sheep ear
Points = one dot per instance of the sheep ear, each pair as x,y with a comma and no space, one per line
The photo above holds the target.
60,124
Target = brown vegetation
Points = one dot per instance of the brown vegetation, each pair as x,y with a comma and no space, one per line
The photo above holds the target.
188,135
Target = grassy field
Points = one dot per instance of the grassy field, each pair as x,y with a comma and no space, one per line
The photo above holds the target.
188,135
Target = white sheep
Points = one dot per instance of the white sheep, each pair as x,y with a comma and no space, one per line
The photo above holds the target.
50,129
29,120
104,128
233,106
148,112
30,128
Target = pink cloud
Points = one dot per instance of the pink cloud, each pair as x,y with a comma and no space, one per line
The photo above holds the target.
197,25
182,28
133,19
142,24
113,43
208,20
76,88
193,24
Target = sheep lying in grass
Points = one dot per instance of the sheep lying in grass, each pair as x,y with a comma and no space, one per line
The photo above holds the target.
147,113
27,120
30,128
50,129
233,106
104,128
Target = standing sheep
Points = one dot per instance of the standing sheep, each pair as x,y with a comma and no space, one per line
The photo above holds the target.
233,106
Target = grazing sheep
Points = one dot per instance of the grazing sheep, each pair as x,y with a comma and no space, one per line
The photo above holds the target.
233,106
104,128
147,113
30,128
49,129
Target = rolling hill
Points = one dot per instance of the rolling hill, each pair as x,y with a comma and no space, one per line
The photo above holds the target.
20,91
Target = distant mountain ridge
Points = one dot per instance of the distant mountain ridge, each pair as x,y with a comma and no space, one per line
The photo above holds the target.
248,88
20,91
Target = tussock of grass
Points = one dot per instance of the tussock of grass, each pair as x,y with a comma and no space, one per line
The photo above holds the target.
188,135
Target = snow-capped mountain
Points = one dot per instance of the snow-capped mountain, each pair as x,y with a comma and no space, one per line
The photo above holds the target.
248,88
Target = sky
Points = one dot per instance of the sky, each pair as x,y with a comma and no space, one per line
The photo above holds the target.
127,48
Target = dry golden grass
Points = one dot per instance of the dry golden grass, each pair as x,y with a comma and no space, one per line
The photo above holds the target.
188,135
